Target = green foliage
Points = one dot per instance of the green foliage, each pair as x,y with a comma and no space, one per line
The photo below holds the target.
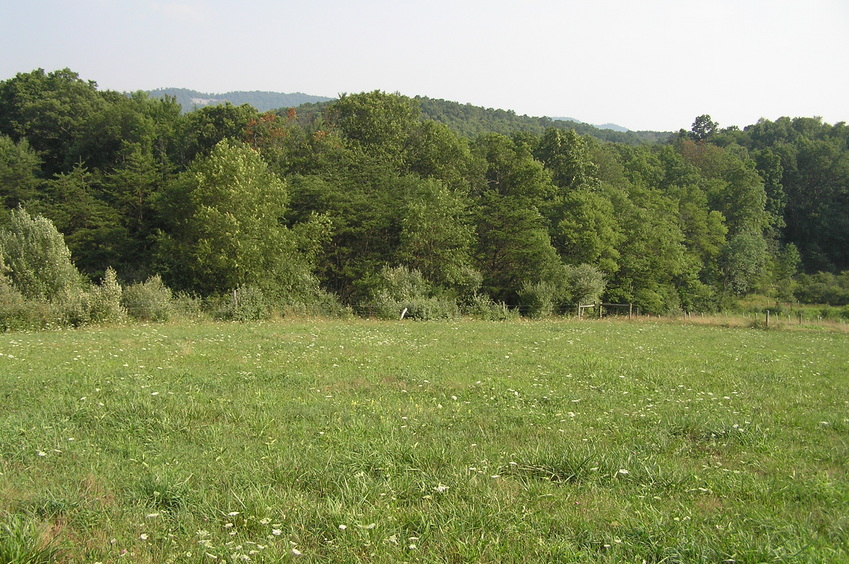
472,121
19,166
583,284
50,110
538,299
402,292
16,312
225,228
487,205
703,128
92,228
375,123
566,155
482,307
514,248
785,268
653,255
22,541
805,165
436,239
106,300
743,261
38,261
245,303
823,288
196,134
150,300
586,230
512,171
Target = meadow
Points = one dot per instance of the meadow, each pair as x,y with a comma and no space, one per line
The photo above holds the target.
456,441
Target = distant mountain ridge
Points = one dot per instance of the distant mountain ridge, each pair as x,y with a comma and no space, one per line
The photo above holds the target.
465,119
262,101
611,126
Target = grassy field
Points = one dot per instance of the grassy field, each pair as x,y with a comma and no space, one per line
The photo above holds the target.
355,441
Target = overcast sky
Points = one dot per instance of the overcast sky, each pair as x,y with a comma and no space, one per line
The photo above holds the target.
643,64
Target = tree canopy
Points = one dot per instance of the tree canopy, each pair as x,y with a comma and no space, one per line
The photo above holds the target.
345,198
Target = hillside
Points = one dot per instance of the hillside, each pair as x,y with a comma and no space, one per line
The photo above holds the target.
613,126
465,119
262,101
470,121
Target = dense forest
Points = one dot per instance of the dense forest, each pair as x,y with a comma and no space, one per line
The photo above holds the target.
376,202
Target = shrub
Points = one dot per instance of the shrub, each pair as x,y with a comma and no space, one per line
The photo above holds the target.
402,290
427,309
71,308
38,260
105,300
16,312
481,306
584,284
823,288
148,301
537,299
187,306
246,303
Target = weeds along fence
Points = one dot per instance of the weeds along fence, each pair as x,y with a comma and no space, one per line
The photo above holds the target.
602,309
767,318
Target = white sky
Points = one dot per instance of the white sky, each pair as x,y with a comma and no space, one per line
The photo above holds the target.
643,64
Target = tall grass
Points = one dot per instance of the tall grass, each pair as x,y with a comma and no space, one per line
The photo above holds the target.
593,441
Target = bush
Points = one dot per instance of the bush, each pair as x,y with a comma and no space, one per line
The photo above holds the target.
584,284
188,306
823,288
481,306
105,300
323,304
148,301
72,308
402,290
428,309
38,260
537,299
17,313
246,303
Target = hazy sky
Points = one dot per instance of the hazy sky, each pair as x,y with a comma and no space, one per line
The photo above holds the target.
644,64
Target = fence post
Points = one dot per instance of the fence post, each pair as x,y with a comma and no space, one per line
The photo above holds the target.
767,319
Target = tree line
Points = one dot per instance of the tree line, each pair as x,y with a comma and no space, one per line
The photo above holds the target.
367,205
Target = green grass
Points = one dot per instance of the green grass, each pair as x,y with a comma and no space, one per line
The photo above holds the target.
593,441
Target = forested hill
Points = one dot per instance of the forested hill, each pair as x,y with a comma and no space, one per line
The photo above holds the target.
262,101
464,119
471,121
